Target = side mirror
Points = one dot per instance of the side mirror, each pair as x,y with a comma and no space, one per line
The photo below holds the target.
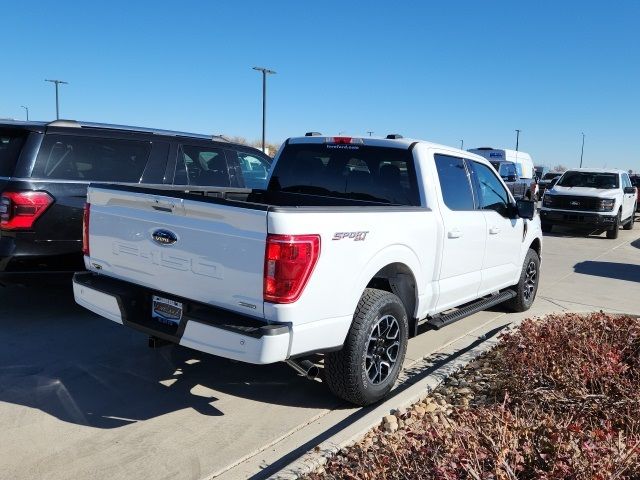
630,190
525,208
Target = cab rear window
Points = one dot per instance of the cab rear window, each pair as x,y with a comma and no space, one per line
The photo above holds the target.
357,172
10,146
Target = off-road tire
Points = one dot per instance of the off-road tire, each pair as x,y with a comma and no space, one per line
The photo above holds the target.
345,372
629,224
612,233
523,299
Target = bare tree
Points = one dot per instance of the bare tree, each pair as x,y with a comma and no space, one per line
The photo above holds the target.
272,148
559,168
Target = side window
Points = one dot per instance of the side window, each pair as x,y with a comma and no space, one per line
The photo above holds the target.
492,195
255,170
69,157
204,166
626,181
454,183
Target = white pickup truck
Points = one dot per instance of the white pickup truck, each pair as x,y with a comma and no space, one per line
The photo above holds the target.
593,198
354,244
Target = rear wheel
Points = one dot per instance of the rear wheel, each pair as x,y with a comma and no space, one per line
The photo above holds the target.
612,233
629,224
527,287
368,365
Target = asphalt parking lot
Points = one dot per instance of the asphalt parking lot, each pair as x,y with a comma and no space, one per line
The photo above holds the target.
81,397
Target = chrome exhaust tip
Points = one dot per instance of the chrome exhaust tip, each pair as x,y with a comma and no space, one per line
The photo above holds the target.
306,368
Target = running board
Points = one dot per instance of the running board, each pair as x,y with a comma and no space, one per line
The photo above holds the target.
442,320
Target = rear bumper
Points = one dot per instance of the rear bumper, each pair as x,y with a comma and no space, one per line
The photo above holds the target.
203,327
23,260
577,219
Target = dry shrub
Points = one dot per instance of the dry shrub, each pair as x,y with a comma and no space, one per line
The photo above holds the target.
560,400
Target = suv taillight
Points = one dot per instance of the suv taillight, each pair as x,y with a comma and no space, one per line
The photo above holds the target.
85,229
19,210
288,264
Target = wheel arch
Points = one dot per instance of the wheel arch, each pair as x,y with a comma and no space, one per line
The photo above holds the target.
536,245
395,269
398,279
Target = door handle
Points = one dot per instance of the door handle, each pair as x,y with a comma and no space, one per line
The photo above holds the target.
454,233
494,230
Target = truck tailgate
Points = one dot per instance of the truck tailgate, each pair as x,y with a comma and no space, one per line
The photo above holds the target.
203,250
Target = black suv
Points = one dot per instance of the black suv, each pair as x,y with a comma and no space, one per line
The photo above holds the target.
45,169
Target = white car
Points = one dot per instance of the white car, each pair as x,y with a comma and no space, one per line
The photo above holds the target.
355,243
598,199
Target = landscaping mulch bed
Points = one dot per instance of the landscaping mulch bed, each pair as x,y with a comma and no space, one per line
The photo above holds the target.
558,398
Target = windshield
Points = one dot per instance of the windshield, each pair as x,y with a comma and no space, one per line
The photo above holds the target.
589,179
352,171
10,145
551,176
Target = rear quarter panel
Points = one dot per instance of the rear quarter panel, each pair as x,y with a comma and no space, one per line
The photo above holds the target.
346,265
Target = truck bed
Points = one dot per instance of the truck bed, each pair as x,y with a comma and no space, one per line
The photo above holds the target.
217,257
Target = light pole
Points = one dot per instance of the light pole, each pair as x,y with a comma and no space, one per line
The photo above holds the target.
462,144
265,72
369,132
517,138
26,109
582,150
57,82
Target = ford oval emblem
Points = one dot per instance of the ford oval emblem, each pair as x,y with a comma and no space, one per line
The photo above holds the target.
164,237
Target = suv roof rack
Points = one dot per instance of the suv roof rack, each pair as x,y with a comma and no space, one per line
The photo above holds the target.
153,131
312,134
394,136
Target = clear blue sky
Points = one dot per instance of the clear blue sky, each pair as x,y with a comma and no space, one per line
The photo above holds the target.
440,71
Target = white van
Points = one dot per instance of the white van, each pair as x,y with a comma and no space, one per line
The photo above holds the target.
523,161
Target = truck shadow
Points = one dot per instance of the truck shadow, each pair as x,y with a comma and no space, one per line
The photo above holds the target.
618,271
80,368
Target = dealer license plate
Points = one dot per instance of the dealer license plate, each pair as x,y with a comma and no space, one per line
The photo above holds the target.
166,311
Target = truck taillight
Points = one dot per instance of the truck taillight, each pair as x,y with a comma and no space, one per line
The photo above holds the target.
85,229
19,210
288,264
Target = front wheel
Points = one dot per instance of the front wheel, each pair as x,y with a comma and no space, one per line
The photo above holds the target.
629,224
527,286
612,233
368,365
